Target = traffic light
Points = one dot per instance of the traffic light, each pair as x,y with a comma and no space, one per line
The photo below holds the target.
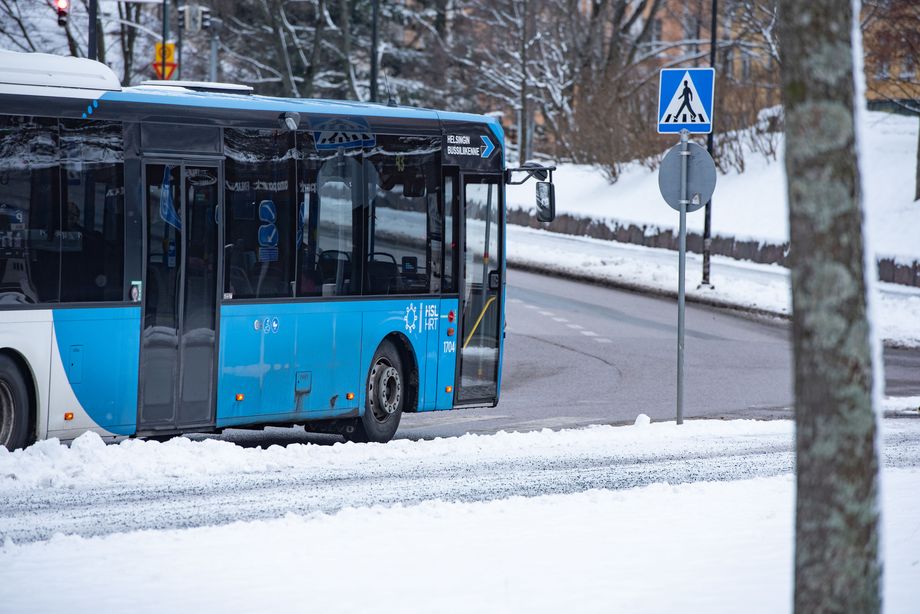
205,18
182,11
62,7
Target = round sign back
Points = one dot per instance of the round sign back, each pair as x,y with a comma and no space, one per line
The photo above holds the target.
701,177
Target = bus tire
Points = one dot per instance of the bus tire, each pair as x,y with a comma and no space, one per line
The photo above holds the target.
14,405
384,399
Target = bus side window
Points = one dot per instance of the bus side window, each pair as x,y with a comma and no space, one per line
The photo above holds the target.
29,210
402,178
451,187
329,195
93,210
260,220
336,185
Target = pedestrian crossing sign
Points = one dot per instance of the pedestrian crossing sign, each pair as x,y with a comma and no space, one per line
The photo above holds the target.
685,100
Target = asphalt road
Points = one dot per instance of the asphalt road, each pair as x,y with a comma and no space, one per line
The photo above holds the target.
578,354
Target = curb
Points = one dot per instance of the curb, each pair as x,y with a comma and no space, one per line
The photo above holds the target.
606,282
597,280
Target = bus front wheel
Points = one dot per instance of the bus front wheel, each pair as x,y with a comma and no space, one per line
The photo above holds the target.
384,398
14,406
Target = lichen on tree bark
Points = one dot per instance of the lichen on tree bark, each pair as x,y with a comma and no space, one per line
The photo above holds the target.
836,555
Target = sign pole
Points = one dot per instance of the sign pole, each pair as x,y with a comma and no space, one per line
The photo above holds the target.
681,271
687,174
165,34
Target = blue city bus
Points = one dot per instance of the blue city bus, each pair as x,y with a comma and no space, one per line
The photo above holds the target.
188,257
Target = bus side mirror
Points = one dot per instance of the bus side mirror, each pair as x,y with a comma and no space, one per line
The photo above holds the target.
546,201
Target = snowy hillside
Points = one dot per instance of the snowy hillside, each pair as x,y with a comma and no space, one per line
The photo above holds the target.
752,205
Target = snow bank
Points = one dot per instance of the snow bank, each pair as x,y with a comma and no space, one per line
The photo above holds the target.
90,462
905,405
752,205
736,283
702,547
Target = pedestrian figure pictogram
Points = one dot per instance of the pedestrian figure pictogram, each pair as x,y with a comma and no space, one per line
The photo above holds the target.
686,95
685,100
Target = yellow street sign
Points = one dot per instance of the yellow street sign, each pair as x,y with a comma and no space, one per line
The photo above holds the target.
170,52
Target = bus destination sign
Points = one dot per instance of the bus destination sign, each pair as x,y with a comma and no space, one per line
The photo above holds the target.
462,145
471,147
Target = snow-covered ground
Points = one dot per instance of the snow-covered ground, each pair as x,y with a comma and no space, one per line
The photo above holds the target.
752,205
691,537
735,283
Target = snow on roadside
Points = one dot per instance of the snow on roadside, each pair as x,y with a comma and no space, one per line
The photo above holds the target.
89,462
904,405
699,547
736,283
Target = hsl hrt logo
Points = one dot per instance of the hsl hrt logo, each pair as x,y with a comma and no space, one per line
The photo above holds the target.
411,318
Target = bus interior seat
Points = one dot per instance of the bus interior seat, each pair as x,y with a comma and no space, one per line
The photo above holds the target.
239,282
310,282
269,281
329,263
382,273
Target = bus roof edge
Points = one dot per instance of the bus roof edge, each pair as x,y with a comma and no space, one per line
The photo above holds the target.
42,69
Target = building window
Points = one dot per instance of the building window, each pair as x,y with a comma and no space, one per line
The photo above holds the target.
728,62
691,27
655,32
883,71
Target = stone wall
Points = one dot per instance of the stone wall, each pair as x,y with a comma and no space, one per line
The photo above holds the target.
652,236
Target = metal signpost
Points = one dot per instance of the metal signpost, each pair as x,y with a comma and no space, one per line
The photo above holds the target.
687,176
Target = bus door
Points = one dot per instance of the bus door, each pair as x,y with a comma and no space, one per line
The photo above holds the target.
179,295
480,292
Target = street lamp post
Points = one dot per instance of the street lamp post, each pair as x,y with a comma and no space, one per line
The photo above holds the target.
707,219
179,29
374,42
92,51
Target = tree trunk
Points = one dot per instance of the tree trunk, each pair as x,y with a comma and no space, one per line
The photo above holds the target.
345,8
272,11
440,19
319,26
836,544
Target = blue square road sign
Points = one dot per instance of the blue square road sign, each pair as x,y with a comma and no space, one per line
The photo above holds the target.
685,100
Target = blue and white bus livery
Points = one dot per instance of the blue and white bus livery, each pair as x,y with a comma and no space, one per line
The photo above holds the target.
180,257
